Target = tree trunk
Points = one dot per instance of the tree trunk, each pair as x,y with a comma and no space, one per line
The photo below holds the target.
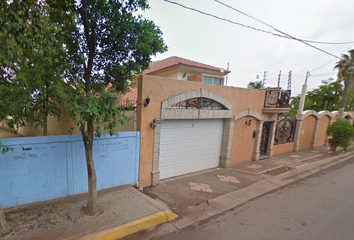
45,126
3,224
345,94
91,172
45,109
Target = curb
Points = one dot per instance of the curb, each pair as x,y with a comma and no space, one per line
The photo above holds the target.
237,198
310,166
131,227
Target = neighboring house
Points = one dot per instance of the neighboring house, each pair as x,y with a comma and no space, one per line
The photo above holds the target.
132,95
66,125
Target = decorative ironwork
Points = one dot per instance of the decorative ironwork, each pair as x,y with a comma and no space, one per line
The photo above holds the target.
285,130
199,103
265,138
277,98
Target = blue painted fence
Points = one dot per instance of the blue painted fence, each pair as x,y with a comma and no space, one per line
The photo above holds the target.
44,168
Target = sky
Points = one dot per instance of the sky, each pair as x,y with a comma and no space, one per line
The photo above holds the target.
189,34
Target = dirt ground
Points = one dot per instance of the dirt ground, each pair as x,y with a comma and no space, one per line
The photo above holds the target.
61,214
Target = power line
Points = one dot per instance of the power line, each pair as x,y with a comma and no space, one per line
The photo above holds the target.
260,21
288,36
322,74
253,28
224,19
284,33
257,29
331,60
323,65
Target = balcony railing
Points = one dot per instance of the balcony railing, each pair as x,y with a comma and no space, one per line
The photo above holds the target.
277,98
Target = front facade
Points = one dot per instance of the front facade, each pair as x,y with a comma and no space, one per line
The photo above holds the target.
190,122
193,126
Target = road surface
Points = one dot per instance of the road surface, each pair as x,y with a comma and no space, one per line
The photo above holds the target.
320,207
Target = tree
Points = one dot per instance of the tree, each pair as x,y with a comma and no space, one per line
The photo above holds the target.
343,65
325,97
30,68
345,68
3,224
255,85
33,93
107,43
22,32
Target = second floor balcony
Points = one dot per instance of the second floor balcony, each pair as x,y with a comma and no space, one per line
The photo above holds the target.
277,100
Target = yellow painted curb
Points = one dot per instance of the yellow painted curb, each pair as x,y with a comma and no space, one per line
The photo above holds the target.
131,227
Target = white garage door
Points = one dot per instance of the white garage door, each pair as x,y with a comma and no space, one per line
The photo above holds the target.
188,146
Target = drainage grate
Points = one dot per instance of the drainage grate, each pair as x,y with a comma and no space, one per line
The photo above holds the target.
278,170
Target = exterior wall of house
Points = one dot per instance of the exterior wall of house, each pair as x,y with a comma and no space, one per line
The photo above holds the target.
30,130
63,126
184,74
44,168
172,74
307,132
322,128
196,78
283,148
200,78
243,142
160,89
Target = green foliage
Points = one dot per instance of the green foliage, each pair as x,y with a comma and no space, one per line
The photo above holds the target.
4,148
345,68
294,105
21,29
325,97
343,65
107,43
31,64
255,85
341,133
84,53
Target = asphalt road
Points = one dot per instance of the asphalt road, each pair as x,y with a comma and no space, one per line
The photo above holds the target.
320,207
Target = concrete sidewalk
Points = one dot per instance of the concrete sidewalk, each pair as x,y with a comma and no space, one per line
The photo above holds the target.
126,210
193,197
198,196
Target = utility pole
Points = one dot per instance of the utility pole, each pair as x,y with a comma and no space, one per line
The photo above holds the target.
347,84
303,95
264,79
279,76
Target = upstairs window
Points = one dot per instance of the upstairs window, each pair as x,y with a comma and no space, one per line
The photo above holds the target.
212,80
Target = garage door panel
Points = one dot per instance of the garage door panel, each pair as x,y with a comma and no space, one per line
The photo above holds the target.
189,146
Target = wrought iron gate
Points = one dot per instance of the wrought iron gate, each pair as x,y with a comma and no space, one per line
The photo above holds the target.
265,138
285,130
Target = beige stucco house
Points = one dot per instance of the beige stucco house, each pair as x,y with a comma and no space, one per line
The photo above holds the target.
193,122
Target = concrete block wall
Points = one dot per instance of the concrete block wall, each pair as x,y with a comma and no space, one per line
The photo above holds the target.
44,168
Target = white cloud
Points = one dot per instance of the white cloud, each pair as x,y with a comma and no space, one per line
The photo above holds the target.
194,36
